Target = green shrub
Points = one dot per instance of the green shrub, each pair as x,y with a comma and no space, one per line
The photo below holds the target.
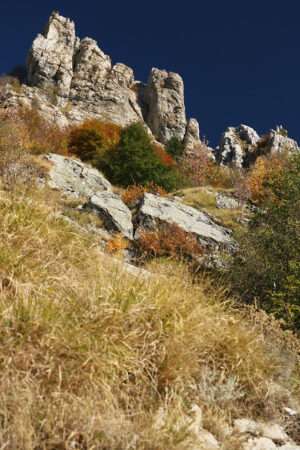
135,161
174,147
267,267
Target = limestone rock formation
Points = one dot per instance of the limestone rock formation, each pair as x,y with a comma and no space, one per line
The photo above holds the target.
189,219
32,97
192,134
236,144
278,142
77,79
164,99
50,58
112,211
75,178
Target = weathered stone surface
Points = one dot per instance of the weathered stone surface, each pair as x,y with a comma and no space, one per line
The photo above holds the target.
280,143
50,58
192,134
32,97
112,211
75,178
225,202
275,432
189,219
235,144
164,99
259,444
77,78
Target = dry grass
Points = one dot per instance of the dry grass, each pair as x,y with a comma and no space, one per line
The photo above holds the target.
200,199
92,357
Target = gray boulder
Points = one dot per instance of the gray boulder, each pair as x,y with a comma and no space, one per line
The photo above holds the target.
189,219
74,178
112,211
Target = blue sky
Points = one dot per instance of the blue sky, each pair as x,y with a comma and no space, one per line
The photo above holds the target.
239,60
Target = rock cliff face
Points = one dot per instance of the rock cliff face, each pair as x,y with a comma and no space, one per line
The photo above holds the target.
77,80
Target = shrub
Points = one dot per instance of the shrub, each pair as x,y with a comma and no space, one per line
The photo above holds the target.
135,192
267,268
199,167
174,147
116,245
135,161
164,157
91,139
168,240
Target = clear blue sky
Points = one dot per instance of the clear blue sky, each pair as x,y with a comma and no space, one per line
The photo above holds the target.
239,59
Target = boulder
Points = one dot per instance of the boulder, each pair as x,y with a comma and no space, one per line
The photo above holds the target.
236,144
191,220
112,211
164,100
74,178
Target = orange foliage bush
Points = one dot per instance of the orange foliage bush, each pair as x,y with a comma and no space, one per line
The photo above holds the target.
136,192
168,240
116,245
261,172
92,138
163,155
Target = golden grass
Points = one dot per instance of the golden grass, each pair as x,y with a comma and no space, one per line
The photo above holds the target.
199,198
93,357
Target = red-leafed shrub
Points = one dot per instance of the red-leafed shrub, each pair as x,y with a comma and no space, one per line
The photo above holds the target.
135,192
91,139
168,240
163,155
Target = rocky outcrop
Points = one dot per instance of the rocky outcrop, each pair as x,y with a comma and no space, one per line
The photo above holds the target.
279,142
32,97
164,100
112,211
50,58
77,79
241,146
74,178
192,134
236,144
208,233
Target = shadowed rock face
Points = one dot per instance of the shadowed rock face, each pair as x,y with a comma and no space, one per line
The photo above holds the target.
77,76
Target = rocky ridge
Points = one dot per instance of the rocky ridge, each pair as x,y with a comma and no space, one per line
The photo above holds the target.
71,80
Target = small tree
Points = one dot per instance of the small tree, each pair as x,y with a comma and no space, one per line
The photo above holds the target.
174,147
135,161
